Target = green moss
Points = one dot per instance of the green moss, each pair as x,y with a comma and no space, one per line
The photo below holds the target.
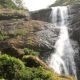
31,52
3,36
20,32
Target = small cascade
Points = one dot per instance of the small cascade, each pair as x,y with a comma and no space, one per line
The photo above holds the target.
62,59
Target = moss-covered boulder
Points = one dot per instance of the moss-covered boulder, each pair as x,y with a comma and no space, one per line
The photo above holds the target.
33,61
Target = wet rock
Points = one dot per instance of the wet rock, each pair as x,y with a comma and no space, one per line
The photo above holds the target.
74,31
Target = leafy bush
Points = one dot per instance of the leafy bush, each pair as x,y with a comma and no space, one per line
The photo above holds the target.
34,74
25,74
31,52
31,61
7,3
10,67
41,74
3,36
14,69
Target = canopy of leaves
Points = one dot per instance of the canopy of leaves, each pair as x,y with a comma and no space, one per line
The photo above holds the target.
7,4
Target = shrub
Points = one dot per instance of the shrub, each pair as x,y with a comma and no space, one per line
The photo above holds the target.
31,61
25,74
31,52
3,36
10,67
14,69
34,74
41,74
7,3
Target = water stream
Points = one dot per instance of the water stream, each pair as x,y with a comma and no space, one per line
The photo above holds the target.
62,60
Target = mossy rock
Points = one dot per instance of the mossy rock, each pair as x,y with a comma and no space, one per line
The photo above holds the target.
33,61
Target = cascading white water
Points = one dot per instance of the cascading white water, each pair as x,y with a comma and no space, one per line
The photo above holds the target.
62,60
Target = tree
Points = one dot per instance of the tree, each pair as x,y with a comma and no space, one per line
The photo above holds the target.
18,3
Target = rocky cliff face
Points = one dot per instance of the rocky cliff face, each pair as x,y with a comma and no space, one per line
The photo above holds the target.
21,34
74,29
43,15
75,32
65,2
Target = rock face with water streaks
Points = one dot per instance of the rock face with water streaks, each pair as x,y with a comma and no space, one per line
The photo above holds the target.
75,32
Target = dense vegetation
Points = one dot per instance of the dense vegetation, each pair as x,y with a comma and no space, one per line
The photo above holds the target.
18,61
65,2
8,4
14,69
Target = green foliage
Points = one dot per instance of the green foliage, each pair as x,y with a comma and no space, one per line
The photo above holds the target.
31,52
10,67
19,3
3,36
14,69
1,78
41,74
30,61
7,4
25,74
34,74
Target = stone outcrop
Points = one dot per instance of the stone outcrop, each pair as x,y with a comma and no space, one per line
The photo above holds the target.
74,30
65,2
43,15
22,34
7,14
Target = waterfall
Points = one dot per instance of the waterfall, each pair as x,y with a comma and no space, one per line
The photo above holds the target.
62,59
